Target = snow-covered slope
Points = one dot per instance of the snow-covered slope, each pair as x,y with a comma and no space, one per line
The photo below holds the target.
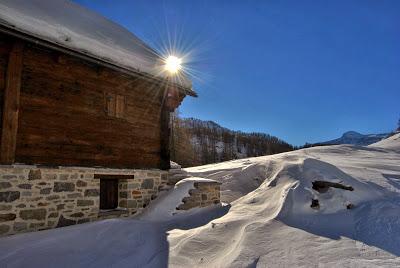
393,143
274,225
355,138
269,223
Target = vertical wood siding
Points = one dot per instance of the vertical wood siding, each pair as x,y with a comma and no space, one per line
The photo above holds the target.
11,102
5,47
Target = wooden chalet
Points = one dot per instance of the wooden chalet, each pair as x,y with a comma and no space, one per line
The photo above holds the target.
85,109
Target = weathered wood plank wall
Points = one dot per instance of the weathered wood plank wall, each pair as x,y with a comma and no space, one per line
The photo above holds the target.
64,116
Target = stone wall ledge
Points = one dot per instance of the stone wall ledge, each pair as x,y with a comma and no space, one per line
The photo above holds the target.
85,169
112,212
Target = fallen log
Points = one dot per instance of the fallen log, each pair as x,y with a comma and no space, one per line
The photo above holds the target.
323,186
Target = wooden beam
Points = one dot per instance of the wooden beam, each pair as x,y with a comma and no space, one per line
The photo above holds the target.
11,104
173,99
114,177
165,134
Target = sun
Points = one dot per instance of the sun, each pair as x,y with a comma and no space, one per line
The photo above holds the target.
173,64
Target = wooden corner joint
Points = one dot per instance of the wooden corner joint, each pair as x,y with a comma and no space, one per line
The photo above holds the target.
173,98
11,104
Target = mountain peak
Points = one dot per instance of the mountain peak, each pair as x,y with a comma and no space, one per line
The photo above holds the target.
356,138
352,134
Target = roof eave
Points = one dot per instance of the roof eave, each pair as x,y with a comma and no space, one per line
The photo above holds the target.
11,30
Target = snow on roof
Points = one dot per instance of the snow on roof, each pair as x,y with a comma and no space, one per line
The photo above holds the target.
74,27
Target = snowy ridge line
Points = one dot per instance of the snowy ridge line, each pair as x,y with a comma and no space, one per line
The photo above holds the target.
392,143
355,138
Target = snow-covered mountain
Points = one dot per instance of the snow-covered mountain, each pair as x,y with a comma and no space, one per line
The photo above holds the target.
355,138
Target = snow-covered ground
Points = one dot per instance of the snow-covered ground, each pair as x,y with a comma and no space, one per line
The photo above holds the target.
269,222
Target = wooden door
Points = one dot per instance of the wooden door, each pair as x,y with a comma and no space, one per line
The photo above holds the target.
108,194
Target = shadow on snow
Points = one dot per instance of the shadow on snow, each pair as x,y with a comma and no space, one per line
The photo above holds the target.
114,242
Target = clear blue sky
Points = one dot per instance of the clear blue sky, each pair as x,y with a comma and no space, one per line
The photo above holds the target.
305,71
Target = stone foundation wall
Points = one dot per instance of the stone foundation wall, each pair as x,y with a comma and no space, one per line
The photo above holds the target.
176,174
205,194
35,198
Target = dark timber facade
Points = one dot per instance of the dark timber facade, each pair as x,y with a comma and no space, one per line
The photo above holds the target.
81,139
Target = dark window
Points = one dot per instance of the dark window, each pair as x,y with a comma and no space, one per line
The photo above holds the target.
108,194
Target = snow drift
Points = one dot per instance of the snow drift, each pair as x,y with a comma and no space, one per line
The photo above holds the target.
274,225
270,222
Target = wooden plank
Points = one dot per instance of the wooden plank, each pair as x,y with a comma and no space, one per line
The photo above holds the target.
120,106
3,68
110,103
113,177
11,104
165,135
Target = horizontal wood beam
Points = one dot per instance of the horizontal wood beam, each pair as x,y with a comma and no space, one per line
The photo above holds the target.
11,104
114,177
